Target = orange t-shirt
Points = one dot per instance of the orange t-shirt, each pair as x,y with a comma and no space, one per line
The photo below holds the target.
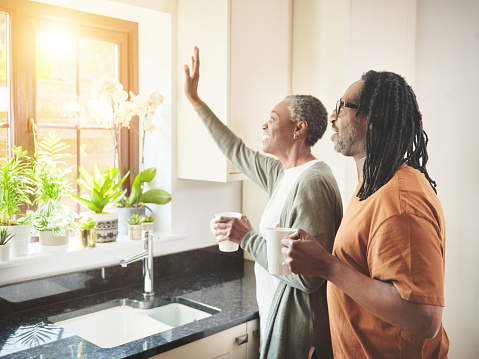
395,235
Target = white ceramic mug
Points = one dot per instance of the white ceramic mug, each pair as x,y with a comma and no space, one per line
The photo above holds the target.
273,246
225,246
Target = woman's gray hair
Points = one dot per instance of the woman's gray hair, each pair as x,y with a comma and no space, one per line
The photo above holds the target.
310,109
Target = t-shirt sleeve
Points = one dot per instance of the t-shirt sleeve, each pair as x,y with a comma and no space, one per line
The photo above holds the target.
408,251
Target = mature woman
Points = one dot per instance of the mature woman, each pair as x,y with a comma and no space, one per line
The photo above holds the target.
303,194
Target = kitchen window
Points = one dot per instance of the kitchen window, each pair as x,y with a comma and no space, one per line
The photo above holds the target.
48,58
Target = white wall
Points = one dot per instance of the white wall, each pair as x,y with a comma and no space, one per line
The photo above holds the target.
447,78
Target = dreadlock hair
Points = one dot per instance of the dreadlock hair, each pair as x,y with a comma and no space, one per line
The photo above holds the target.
308,108
394,133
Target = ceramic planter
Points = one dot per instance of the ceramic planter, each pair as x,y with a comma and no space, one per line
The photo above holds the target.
86,238
134,231
48,239
5,252
147,226
20,242
106,226
125,213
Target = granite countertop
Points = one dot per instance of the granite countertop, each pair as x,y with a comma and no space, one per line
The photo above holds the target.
27,332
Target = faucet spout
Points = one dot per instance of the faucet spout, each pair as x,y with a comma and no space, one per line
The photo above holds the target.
133,258
147,256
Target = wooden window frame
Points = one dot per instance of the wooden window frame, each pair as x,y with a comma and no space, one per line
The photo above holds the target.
25,18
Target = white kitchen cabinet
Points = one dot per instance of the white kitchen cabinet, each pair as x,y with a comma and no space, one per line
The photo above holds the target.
223,345
245,55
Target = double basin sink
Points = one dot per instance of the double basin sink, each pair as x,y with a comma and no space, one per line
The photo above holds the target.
121,321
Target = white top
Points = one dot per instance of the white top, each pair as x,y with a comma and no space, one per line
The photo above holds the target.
266,283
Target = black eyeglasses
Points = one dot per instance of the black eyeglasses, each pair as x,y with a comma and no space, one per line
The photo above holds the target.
341,103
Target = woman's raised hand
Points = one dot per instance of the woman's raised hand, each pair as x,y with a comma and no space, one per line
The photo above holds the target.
192,78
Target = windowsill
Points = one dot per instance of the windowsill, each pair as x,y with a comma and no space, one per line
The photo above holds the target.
70,258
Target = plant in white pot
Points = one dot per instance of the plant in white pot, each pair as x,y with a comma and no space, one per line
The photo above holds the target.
103,191
16,188
54,221
5,237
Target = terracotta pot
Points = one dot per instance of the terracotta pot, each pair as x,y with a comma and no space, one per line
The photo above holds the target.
20,242
125,213
134,231
106,226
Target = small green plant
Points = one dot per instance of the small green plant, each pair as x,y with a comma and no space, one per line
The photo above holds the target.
86,223
147,219
103,188
135,219
52,216
49,181
16,186
5,236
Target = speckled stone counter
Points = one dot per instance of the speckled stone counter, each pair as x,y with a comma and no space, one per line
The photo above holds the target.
207,276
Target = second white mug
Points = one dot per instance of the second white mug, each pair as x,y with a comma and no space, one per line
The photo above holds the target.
273,245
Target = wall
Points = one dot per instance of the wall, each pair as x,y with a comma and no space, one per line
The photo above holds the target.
447,77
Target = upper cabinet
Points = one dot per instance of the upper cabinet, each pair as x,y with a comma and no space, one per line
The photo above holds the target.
245,54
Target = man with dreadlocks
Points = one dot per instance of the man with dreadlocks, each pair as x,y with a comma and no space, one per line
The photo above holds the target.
386,274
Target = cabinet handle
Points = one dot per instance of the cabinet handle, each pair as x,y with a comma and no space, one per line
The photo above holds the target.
242,339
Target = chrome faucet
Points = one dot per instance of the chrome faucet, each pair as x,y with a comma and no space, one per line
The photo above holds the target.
147,256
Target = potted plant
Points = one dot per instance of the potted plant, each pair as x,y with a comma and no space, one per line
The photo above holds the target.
16,187
136,202
134,226
5,237
110,106
54,221
104,191
147,223
86,235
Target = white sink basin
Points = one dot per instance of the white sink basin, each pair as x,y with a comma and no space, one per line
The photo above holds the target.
115,326
176,314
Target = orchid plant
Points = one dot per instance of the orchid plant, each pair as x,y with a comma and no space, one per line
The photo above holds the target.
110,107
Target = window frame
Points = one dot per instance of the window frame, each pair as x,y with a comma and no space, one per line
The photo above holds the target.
25,18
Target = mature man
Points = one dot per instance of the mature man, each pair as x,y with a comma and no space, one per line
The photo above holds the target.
386,274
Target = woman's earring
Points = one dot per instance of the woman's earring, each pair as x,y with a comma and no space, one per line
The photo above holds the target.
294,136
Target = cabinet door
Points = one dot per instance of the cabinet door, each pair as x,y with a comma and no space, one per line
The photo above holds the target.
245,51
252,327
217,346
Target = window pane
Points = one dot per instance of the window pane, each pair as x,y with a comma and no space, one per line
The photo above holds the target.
96,146
96,60
56,57
4,86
